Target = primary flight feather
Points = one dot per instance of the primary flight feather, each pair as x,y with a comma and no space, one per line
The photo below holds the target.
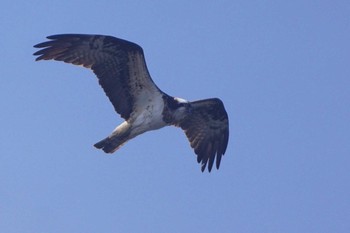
122,73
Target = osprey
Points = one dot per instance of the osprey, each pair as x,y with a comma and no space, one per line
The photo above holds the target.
122,73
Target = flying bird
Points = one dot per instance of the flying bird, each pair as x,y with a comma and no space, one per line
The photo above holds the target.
122,73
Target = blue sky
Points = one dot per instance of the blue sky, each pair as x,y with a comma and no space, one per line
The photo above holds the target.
281,68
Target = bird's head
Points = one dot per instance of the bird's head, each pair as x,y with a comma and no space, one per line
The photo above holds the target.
182,110
181,101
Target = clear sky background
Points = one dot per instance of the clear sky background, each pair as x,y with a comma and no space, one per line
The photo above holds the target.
282,68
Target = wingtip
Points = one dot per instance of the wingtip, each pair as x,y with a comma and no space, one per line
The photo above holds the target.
58,36
209,169
52,37
204,166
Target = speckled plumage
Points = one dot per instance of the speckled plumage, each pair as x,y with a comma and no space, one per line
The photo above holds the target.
122,73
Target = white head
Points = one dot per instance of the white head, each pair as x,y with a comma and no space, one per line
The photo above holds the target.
183,109
181,101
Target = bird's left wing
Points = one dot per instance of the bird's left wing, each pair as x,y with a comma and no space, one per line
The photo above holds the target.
207,129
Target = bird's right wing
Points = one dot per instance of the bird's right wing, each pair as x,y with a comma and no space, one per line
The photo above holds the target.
119,65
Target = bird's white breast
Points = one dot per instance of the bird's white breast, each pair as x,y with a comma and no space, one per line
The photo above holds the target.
149,114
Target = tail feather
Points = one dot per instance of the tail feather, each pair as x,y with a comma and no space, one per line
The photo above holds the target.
110,144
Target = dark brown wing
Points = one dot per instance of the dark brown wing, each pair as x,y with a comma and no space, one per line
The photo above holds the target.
207,129
119,65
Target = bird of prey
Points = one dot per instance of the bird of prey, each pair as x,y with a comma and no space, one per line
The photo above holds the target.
122,73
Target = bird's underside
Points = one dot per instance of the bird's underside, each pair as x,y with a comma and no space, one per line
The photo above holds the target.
122,73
